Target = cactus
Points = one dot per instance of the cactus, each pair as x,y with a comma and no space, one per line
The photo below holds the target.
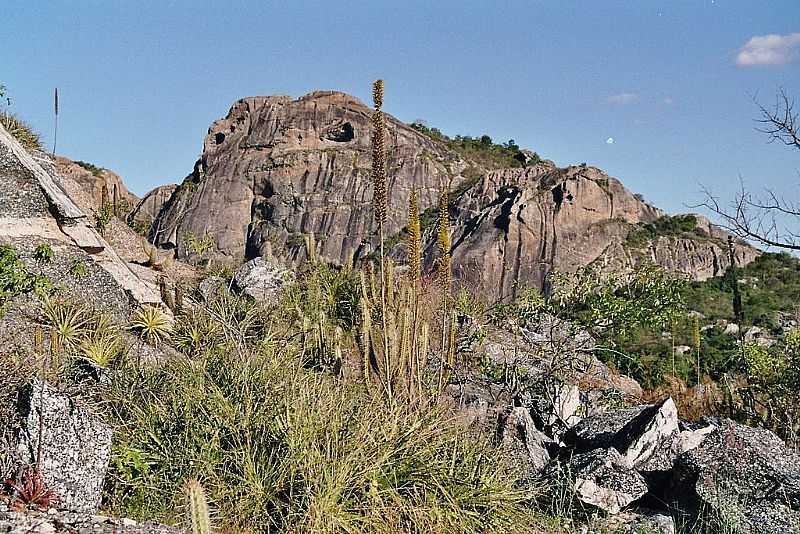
199,517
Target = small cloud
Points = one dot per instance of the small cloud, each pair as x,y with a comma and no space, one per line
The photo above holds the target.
610,141
668,101
622,98
769,50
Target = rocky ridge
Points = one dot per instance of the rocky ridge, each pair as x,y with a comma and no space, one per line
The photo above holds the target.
276,168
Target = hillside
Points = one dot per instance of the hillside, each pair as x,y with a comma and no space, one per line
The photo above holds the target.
275,169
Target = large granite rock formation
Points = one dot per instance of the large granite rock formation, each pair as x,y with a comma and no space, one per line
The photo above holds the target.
96,182
276,168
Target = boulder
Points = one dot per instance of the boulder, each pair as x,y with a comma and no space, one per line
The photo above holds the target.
646,440
731,329
743,475
262,279
635,521
555,406
210,287
517,433
75,446
600,430
603,479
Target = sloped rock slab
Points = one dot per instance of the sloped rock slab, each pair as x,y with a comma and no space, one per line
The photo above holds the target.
646,441
745,474
518,434
75,446
600,430
262,279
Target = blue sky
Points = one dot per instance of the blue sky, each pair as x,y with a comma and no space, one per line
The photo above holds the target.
671,81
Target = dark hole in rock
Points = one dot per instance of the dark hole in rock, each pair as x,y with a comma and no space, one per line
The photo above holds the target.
219,137
341,133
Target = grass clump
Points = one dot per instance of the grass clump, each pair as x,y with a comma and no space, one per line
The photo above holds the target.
152,324
20,130
285,449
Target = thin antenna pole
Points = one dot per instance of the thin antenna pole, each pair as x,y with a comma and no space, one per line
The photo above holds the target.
55,133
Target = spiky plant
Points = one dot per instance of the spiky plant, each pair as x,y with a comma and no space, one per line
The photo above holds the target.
69,321
21,130
100,348
152,324
198,515
414,239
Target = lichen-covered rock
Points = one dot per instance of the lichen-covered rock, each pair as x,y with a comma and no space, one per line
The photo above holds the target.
262,279
517,433
602,479
75,446
646,441
747,475
600,430
211,287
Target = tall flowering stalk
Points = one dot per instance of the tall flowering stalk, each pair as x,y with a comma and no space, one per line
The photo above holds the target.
445,278
380,207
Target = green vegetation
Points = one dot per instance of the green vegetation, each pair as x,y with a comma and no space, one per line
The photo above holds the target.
15,279
21,130
43,253
666,225
152,324
481,150
94,169
103,217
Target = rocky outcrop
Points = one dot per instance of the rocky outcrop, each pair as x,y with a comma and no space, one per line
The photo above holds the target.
743,476
277,168
35,206
96,182
72,446
148,208
51,521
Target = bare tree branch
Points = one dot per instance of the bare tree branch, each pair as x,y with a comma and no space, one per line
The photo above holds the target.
767,219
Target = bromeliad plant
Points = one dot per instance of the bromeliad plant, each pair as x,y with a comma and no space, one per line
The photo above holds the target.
152,324
31,491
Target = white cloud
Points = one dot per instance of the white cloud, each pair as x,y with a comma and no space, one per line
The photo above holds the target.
622,98
610,141
769,50
668,101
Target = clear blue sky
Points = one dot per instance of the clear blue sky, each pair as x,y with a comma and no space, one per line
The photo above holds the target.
670,81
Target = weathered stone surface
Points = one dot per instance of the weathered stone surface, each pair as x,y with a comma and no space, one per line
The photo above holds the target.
276,168
645,442
746,474
603,479
211,286
262,279
600,430
518,434
75,446
636,521
148,208
95,180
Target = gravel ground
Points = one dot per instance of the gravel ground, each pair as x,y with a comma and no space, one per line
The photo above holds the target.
20,195
52,521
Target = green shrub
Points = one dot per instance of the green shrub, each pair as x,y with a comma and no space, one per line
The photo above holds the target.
15,279
43,253
666,225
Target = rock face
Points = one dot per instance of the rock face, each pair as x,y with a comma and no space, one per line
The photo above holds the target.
262,279
75,446
148,208
276,168
95,180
